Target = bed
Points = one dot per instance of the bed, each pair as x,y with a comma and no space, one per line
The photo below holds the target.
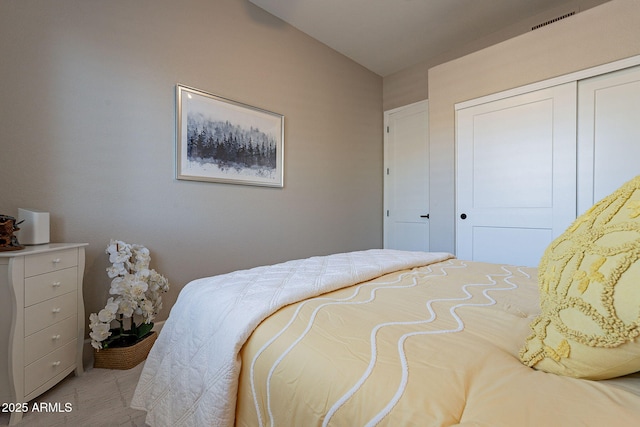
396,338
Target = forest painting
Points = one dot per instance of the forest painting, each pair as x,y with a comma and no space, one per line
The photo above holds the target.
220,140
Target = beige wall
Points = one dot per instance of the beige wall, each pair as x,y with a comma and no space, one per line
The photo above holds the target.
87,133
597,36
411,84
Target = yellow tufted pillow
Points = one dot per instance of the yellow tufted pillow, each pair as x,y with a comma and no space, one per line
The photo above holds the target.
589,280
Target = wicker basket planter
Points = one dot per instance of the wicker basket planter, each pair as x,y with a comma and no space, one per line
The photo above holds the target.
124,357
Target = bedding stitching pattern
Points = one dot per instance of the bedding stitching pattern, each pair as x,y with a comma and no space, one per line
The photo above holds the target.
379,285
346,300
405,372
310,324
372,361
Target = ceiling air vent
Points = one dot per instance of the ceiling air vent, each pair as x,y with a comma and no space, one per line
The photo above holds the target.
551,21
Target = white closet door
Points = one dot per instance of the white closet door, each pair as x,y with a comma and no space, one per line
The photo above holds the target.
516,175
608,134
406,223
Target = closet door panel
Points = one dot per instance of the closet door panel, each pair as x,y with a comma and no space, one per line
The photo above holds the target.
520,148
515,175
608,134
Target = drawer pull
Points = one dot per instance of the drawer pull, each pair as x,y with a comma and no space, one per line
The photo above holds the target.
56,260
56,284
55,310
55,337
56,364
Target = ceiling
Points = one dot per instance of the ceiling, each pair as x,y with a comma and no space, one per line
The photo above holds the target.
387,36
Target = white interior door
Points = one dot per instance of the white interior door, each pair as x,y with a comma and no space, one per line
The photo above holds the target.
516,175
608,134
406,178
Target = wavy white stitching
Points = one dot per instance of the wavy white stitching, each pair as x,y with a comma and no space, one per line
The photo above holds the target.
345,300
379,285
340,402
405,370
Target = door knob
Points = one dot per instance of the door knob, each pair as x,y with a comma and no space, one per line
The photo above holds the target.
463,216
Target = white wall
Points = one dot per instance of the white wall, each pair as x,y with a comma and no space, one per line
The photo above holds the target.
87,123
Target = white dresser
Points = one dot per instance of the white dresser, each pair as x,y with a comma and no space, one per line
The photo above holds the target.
41,320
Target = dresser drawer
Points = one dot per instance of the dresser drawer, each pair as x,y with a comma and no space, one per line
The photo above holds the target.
46,313
50,261
42,370
50,285
49,339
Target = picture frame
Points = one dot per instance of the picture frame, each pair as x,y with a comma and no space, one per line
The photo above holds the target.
226,141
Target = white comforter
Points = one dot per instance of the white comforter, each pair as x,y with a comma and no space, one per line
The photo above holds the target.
191,375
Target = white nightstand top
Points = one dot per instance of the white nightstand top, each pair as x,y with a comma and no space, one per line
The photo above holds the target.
35,249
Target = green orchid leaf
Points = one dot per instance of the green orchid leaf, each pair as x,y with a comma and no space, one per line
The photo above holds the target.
144,329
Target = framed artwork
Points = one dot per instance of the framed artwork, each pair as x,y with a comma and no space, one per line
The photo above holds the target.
220,140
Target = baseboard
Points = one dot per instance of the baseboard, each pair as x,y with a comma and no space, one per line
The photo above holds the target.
87,350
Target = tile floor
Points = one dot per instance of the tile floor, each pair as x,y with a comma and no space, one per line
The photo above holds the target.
99,398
